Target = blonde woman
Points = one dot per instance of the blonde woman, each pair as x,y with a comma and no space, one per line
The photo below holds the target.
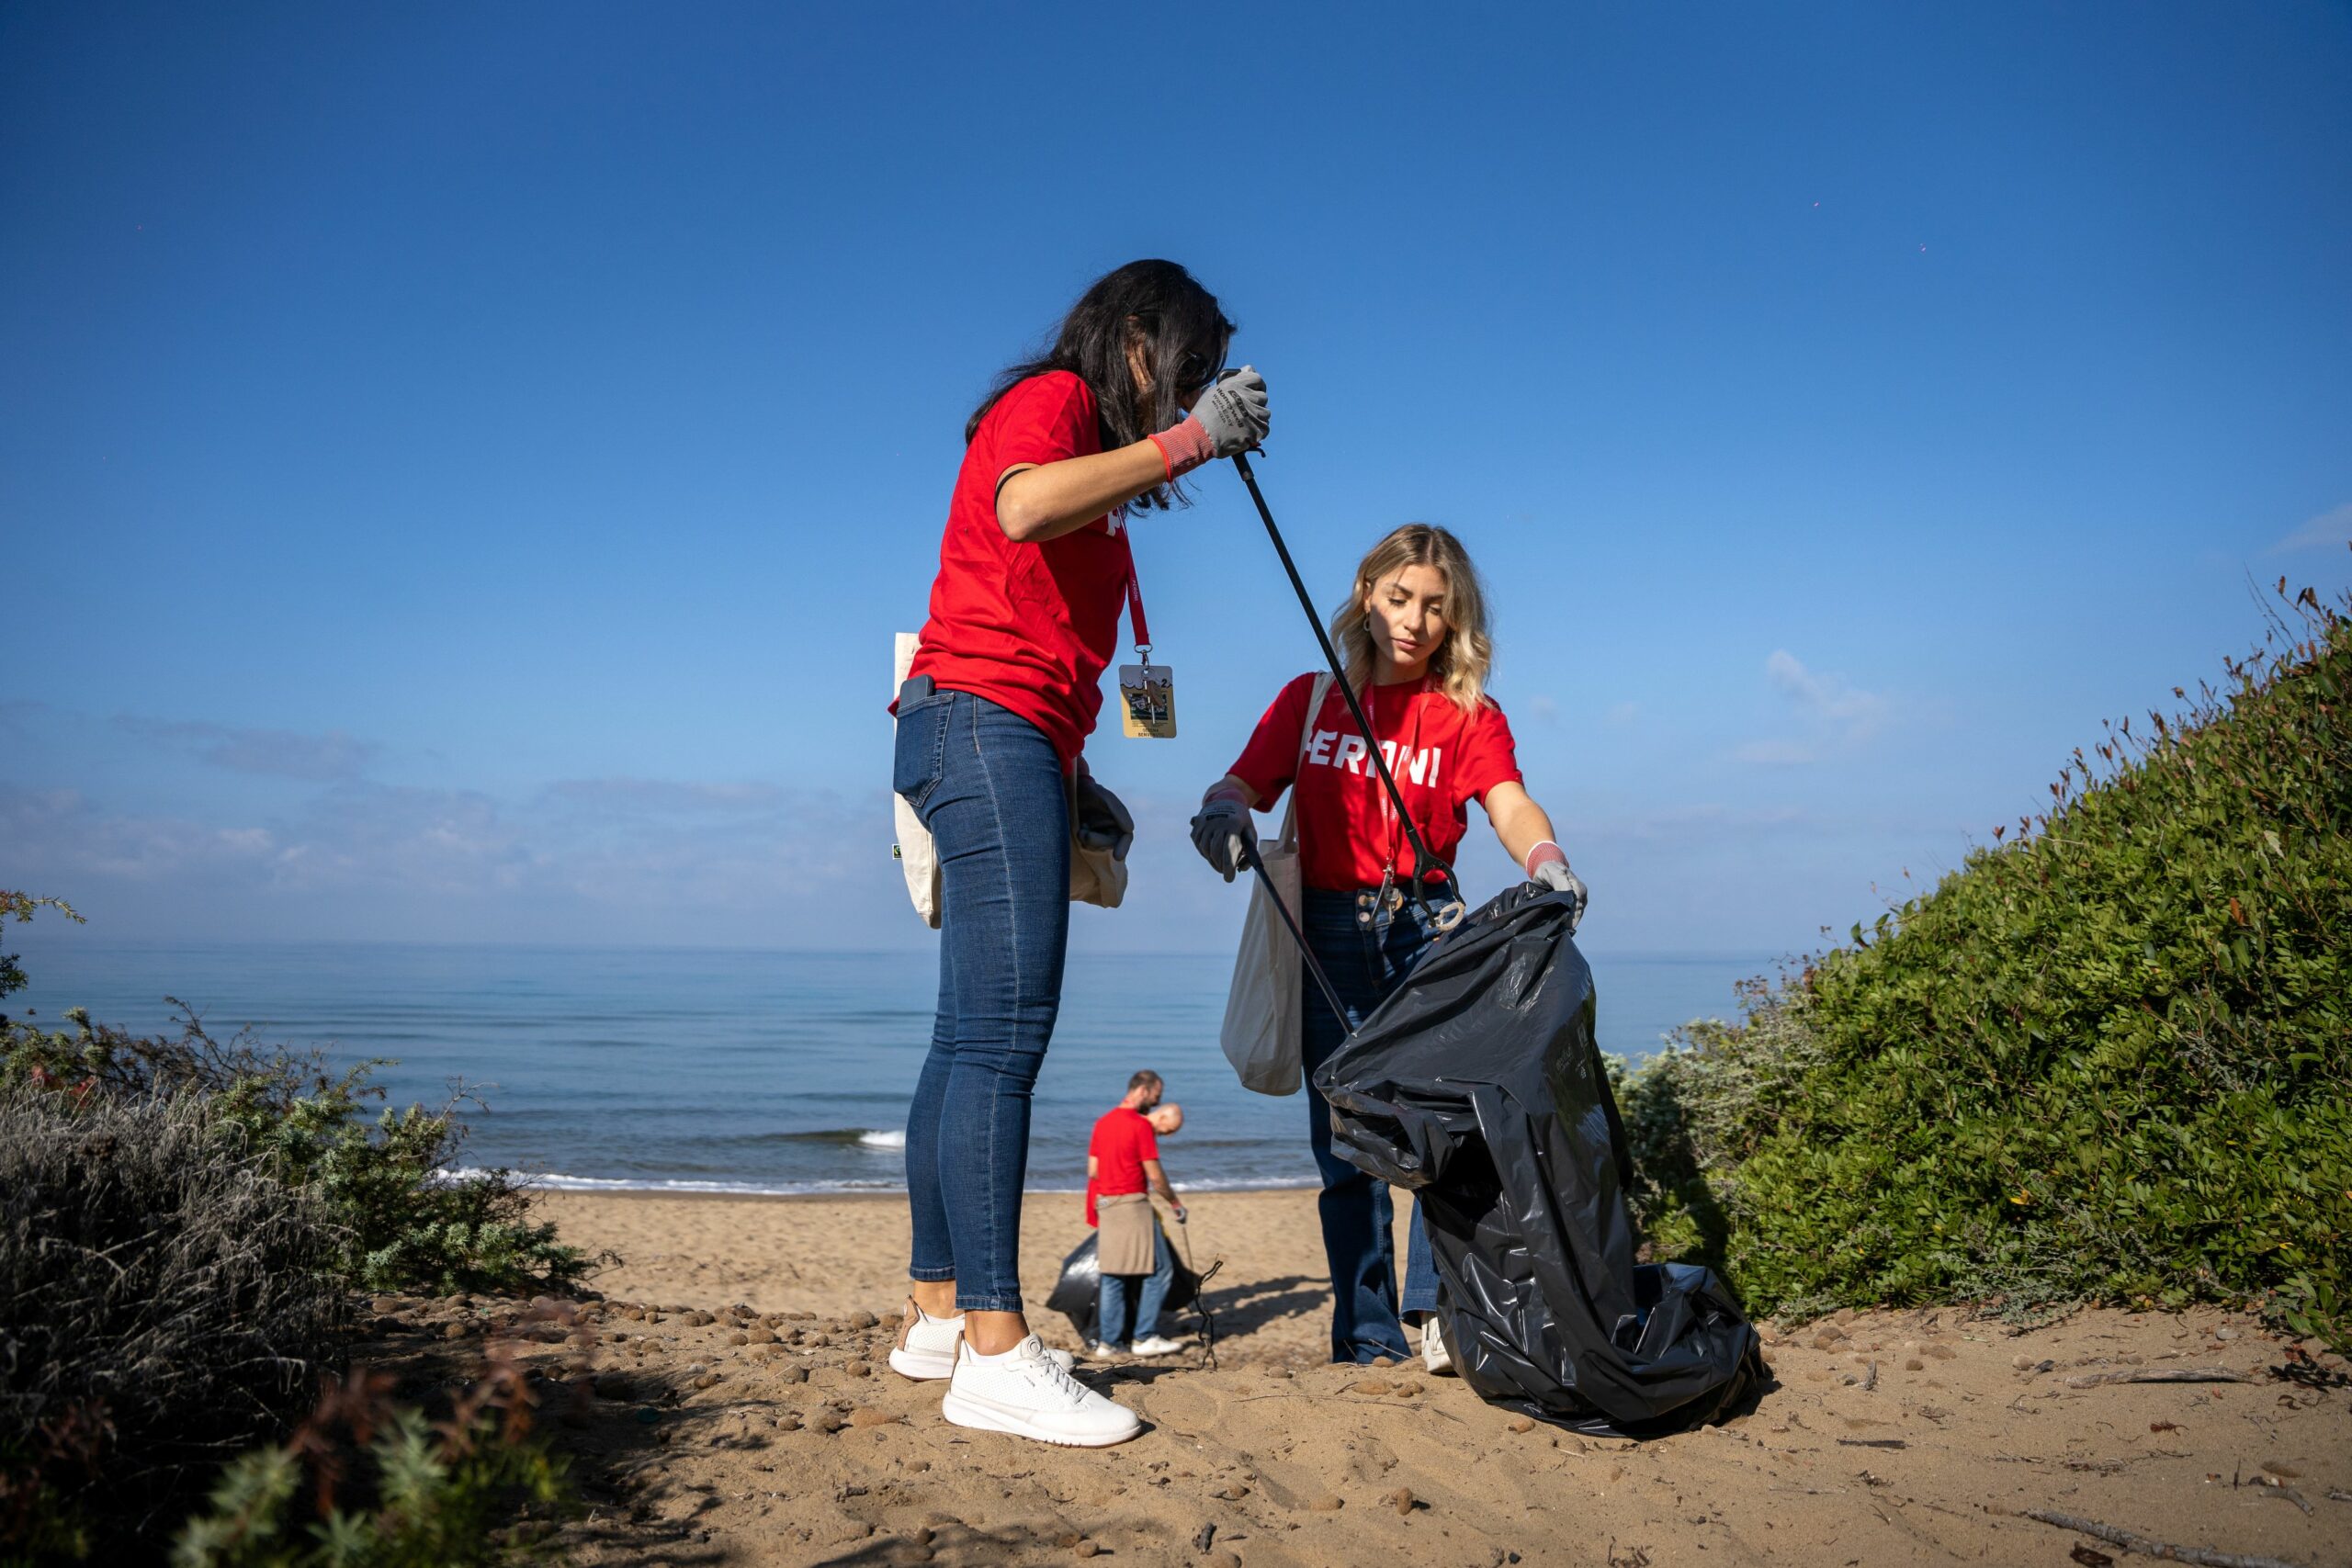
1413,632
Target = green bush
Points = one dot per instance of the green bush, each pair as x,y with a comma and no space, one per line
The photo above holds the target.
367,1485
164,1301
401,1223
2111,1059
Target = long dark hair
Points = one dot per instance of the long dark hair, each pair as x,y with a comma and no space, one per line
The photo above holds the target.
1183,334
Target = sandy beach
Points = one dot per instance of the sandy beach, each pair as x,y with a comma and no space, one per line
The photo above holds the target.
727,1402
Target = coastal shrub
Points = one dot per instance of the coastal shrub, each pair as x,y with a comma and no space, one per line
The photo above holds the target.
164,1302
19,907
2109,1058
401,1222
366,1484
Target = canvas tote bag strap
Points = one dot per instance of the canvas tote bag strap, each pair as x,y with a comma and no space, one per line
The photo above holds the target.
1288,837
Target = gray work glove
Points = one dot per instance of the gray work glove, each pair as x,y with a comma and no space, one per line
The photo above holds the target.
1234,411
1099,819
1555,876
1221,829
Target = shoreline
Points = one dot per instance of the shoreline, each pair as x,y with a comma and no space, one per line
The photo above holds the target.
860,1195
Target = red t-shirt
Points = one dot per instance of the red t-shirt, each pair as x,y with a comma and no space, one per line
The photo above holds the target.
1029,627
1123,1140
1442,759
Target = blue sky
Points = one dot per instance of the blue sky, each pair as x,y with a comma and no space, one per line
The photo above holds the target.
460,468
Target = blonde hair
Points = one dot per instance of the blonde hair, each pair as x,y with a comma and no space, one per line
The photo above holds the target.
1460,664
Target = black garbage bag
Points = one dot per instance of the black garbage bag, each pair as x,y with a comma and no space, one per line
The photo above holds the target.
1077,1294
1478,1085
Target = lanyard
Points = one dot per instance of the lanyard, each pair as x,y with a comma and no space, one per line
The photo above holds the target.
1392,833
1134,600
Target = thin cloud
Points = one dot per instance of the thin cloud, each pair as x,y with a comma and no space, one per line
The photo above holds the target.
2330,530
1825,697
331,758
666,795
1834,714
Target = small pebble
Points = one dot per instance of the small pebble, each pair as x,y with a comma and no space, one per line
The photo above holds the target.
1369,1385
1524,1424
795,1373
454,1331
706,1380
869,1418
739,1338
1278,1371
1086,1549
1913,1364
1402,1499
862,1320
1329,1503
1383,1361
788,1422
1235,1492
859,1368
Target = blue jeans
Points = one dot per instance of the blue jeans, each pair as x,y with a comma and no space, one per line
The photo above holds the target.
1111,1296
988,784
1365,961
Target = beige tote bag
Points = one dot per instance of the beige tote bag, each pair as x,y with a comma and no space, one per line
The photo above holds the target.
1261,1018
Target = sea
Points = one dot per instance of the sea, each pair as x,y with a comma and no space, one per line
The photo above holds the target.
728,1070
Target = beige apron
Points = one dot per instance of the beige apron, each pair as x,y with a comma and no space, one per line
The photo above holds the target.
1129,1227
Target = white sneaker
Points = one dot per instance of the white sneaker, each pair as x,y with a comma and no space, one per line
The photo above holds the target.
1155,1345
1101,1352
926,1347
1027,1393
1434,1355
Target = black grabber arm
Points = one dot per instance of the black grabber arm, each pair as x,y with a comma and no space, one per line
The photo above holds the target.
1314,965
1423,862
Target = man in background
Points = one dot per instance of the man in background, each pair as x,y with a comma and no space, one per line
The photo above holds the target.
1166,1117
1123,1170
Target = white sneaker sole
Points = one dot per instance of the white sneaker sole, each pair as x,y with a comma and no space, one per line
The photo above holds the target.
923,1366
969,1413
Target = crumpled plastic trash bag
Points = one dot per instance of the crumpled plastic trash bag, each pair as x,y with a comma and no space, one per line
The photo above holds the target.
1077,1294
1478,1085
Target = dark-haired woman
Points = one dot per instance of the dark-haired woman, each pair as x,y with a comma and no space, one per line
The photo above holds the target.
992,720
1413,629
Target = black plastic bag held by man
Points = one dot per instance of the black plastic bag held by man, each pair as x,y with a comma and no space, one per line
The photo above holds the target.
1478,1086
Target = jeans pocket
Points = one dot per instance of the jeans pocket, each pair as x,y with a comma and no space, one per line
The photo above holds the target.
922,754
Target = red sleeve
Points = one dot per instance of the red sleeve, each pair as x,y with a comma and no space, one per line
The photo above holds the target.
1490,755
1093,1220
1269,762
1042,419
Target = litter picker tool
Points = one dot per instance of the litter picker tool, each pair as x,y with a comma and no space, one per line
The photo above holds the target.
1423,862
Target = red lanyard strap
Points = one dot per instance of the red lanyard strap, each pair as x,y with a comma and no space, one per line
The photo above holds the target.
1135,601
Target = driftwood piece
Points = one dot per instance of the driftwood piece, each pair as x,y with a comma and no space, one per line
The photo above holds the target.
2147,1547
2165,1375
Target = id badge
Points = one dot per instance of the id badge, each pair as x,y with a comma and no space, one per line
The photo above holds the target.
1148,701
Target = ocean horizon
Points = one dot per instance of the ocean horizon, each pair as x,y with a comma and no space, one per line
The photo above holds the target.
742,1070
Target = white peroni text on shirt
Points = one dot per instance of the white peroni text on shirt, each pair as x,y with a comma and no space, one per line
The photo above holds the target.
1332,749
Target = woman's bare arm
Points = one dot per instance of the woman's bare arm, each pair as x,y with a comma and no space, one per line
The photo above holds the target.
1519,822
1038,501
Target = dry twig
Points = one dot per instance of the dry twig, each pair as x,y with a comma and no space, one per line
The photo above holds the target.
2147,1546
2165,1375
